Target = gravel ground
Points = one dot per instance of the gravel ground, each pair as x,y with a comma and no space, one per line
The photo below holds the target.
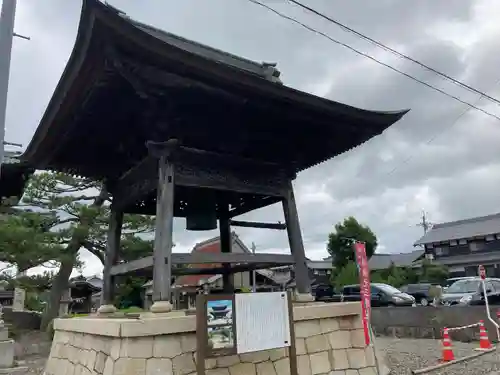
34,364
404,354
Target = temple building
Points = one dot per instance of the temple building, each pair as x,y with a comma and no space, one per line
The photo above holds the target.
174,128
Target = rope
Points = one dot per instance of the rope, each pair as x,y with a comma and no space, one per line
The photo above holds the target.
464,327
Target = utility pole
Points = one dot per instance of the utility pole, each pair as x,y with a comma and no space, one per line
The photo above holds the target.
424,223
7,34
254,286
7,16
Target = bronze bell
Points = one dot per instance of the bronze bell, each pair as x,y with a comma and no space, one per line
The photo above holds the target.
201,211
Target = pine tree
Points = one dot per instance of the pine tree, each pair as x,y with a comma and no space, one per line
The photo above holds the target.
63,214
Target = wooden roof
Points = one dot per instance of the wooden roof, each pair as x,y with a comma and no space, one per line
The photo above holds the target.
127,83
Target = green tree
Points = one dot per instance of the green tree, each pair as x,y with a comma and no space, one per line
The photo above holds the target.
78,214
340,242
433,273
347,275
26,240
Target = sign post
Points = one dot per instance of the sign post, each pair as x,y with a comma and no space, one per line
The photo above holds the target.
366,295
482,275
364,285
234,324
482,272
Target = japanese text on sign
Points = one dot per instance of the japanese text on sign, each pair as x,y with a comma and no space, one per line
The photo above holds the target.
364,283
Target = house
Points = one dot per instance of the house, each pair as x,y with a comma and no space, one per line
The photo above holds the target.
319,271
383,261
186,287
412,259
463,245
84,293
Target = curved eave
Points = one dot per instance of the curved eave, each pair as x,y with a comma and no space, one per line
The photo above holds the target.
67,79
145,44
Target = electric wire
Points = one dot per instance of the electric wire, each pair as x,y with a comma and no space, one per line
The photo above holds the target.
428,85
435,136
395,52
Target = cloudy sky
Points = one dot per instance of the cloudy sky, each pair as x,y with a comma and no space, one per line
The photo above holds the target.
426,161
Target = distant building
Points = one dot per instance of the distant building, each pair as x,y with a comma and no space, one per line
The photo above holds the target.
412,259
83,293
185,288
463,245
383,261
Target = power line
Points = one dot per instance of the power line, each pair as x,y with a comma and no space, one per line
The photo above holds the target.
373,59
7,16
435,136
429,141
395,52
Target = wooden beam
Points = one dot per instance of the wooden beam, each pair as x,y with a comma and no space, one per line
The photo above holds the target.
220,270
254,224
233,159
295,240
225,246
258,202
208,258
213,170
141,180
132,266
137,182
204,258
163,244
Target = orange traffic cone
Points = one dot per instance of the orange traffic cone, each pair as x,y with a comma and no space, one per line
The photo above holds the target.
484,341
447,348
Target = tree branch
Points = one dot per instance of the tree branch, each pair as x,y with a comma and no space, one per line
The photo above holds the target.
92,248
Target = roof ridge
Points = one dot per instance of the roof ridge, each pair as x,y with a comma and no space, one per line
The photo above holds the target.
466,221
265,70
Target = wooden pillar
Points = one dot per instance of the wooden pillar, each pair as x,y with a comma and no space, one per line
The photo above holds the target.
296,244
225,246
112,254
162,254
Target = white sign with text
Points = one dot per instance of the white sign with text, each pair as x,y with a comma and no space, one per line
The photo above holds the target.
262,321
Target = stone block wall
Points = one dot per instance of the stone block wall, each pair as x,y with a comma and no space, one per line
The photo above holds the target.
326,345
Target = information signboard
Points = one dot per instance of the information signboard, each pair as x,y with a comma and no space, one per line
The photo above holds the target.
232,324
262,321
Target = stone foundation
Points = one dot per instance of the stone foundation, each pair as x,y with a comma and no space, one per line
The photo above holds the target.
329,340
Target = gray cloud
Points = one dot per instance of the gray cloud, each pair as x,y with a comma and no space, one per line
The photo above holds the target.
423,162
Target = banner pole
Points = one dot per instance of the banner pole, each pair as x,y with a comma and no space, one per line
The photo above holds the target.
365,290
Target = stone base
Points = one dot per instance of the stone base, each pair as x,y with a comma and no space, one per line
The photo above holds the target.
171,314
7,354
106,309
303,298
329,339
161,307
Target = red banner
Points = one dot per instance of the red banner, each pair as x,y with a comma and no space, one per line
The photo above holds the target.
364,284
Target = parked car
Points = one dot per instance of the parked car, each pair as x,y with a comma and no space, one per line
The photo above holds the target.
449,282
469,291
420,292
324,293
381,295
